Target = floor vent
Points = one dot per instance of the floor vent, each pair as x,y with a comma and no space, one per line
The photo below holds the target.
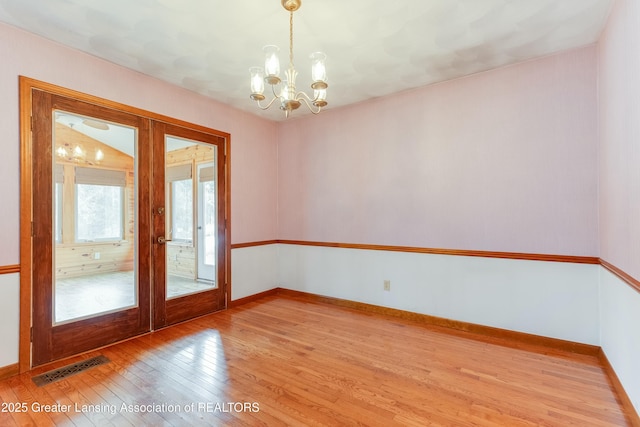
69,370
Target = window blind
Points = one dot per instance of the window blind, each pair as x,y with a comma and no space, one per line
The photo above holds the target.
206,174
178,173
58,172
92,176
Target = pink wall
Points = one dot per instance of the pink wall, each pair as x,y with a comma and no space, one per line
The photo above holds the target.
619,94
253,140
504,160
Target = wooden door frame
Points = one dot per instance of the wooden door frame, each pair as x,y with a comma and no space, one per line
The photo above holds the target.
26,86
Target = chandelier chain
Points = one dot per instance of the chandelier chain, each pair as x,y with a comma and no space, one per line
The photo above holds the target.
291,39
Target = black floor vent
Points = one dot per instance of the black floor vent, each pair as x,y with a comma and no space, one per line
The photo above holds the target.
67,371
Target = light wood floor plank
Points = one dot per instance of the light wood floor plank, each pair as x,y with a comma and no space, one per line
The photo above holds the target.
304,363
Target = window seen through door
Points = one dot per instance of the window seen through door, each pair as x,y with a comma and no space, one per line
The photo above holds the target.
99,213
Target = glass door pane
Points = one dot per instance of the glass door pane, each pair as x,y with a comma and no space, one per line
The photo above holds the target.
190,225
95,217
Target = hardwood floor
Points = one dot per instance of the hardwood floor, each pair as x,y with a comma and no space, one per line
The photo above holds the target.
286,361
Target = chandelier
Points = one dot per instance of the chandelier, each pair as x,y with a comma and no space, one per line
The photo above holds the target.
288,97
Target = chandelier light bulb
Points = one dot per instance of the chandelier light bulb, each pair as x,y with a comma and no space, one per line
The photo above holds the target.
320,96
284,91
271,64
257,83
318,69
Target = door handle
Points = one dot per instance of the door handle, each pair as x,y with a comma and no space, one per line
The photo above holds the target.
162,240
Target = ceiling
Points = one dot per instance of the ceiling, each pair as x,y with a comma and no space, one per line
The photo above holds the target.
374,47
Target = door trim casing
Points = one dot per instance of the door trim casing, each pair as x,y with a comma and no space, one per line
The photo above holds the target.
26,86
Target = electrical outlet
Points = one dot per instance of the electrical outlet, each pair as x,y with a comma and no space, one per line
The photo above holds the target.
387,285
96,255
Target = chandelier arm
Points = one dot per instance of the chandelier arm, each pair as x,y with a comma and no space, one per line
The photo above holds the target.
302,95
268,105
304,99
273,90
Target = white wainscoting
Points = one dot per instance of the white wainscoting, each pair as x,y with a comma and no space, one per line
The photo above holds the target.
552,299
253,270
620,331
10,324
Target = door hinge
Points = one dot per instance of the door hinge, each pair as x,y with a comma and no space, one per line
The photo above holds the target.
31,120
31,334
32,228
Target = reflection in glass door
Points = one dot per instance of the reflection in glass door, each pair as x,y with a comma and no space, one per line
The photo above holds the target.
94,217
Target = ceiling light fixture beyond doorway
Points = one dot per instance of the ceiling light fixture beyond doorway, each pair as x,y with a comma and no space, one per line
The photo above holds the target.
270,74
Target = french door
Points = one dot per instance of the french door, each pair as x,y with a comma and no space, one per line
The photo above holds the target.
119,203
185,161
